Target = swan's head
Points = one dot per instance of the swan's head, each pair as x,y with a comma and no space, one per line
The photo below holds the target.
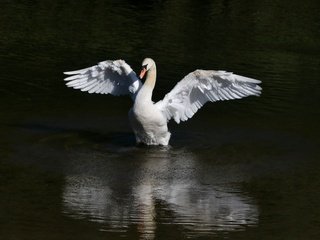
147,64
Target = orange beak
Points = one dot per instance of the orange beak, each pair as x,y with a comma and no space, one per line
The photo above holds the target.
142,73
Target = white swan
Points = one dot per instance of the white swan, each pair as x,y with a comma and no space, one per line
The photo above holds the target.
149,119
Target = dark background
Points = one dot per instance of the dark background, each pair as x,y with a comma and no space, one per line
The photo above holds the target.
259,155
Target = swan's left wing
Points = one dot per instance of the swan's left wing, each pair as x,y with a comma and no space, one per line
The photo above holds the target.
201,86
107,77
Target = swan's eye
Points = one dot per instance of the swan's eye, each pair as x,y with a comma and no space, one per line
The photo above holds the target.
145,66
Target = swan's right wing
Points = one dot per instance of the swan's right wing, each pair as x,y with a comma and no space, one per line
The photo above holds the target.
107,77
201,86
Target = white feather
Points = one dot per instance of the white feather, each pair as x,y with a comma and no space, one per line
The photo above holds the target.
107,77
202,86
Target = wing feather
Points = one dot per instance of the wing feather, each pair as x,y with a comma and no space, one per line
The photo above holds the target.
107,77
201,86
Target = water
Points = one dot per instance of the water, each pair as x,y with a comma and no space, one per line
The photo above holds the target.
245,169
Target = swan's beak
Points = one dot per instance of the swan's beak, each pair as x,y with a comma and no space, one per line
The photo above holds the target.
142,73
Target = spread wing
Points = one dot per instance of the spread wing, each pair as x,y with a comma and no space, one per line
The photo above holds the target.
107,77
201,86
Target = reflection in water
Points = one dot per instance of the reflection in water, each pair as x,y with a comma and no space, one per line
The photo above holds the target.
164,187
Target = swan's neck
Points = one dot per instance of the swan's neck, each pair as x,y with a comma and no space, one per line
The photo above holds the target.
149,84
151,78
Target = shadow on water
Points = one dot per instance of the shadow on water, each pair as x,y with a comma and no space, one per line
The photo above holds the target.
113,138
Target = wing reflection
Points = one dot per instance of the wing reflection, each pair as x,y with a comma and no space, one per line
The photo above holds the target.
163,187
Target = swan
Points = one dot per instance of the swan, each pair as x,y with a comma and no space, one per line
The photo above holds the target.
148,119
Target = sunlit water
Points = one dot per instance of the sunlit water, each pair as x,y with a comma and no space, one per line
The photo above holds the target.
245,169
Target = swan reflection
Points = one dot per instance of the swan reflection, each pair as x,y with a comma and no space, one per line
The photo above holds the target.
163,187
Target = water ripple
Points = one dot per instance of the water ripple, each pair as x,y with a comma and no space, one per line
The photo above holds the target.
164,189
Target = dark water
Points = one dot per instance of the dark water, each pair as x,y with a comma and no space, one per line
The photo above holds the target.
245,169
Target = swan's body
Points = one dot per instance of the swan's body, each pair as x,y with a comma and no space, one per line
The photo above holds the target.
149,119
148,122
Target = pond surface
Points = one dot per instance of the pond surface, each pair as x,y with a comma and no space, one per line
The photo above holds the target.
242,169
